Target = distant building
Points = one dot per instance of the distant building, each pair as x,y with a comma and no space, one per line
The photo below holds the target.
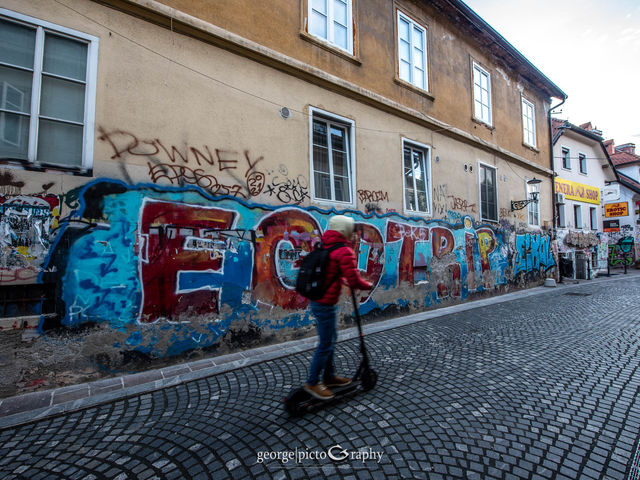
623,201
583,169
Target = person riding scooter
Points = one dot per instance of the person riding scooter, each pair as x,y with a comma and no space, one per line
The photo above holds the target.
341,265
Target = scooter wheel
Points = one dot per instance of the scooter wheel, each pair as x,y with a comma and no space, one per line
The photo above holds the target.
296,404
369,379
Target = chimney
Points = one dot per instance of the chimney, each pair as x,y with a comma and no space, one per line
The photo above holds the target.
627,148
610,147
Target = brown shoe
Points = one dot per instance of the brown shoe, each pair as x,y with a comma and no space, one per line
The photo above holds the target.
338,382
319,391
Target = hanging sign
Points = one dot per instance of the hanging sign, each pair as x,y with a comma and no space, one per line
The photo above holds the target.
620,209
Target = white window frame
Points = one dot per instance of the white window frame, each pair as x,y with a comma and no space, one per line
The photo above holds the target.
413,25
90,87
427,166
593,213
577,217
533,209
528,123
562,217
568,150
330,23
482,165
332,118
478,101
582,156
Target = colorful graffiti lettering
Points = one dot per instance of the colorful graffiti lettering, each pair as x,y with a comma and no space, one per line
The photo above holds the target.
621,253
533,252
180,257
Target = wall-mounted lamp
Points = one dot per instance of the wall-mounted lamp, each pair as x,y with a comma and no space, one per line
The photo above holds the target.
520,204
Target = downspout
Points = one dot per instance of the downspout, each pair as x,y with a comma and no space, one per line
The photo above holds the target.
554,239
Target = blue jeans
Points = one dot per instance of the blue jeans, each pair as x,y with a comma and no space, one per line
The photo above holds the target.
327,331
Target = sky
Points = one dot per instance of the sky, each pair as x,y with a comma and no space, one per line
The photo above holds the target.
589,48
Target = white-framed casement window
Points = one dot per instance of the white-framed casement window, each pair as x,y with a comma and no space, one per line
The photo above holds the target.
582,162
562,220
482,94
566,158
332,157
534,207
528,123
488,192
577,216
412,52
332,21
593,218
48,90
416,167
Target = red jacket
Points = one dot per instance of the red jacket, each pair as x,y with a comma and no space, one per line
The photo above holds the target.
342,264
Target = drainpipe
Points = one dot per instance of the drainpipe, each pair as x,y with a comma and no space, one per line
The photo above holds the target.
558,276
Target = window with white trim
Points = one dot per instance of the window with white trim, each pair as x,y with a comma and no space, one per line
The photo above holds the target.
582,161
566,158
331,158
488,193
528,123
562,222
331,20
412,52
534,207
416,172
481,94
577,216
47,93
594,218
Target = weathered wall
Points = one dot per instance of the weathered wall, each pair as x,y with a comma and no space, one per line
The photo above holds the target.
186,234
165,270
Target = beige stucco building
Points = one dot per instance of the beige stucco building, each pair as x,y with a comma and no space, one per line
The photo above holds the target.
166,164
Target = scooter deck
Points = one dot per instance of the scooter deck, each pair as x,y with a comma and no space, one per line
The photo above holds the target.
299,401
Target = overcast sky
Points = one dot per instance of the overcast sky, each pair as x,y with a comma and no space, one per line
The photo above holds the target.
588,48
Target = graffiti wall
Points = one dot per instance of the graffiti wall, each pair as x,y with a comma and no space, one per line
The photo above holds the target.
26,225
174,268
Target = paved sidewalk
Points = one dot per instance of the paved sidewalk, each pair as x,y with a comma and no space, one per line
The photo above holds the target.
537,384
37,405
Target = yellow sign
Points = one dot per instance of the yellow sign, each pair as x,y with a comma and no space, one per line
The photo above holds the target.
578,191
616,209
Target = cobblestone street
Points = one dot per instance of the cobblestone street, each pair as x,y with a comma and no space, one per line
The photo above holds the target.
544,386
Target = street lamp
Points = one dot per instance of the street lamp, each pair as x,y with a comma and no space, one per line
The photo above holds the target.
520,204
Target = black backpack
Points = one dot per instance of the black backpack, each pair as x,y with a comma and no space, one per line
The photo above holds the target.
313,269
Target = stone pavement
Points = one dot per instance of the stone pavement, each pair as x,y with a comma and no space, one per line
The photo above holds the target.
536,384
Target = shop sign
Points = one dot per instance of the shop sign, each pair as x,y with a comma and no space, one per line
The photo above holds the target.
577,191
620,209
611,225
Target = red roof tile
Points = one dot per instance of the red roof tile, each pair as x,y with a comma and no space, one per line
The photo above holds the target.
624,158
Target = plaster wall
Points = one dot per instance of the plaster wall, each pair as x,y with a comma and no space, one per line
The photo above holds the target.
186,234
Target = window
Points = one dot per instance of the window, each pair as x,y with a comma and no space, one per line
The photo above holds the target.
481,94
416,161
528,123
566,158
594,219
330,20
412,52
582,158
331,158
577,216
488,193
533,207
47,93
562,222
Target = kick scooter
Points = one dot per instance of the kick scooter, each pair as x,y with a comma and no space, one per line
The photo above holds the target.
299,401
